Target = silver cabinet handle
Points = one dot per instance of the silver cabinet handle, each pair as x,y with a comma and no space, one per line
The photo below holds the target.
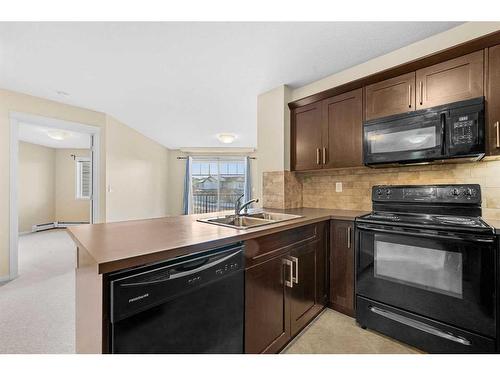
409,96
497,126
419,325
318,157
324,155
295,278
348,237
421,89
289,264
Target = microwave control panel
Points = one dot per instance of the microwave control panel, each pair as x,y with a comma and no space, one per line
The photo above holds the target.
464,129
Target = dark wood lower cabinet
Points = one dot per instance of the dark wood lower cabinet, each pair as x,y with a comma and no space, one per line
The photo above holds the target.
342,266
267,307
283,293
304,301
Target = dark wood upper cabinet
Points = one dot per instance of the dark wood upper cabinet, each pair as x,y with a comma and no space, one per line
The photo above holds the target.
493,101
389,97
344,131
342,266
306,137
450,81
267,307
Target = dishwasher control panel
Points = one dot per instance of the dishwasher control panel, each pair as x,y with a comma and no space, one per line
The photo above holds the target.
145,287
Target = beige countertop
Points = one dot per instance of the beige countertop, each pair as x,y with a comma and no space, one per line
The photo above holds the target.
115,246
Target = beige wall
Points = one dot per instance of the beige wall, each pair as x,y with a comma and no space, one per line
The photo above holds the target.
47,184
273,133
137,174
16,102
36,178
67,207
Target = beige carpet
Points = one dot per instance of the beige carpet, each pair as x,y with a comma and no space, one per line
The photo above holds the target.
335,333
37,309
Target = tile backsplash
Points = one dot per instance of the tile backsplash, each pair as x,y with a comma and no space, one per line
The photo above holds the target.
317,189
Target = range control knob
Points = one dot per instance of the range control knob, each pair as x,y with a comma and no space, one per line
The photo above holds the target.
468,192
388,191
379,192
455,192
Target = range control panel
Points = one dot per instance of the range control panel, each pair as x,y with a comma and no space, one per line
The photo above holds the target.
468,194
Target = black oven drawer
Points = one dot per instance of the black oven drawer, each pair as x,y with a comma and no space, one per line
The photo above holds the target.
426,334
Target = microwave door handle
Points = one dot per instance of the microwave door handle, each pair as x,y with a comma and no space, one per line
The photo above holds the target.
450,236
443,133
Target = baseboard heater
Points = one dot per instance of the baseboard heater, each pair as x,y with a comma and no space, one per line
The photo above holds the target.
56,224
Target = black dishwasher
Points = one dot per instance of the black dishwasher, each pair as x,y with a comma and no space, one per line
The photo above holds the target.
193,304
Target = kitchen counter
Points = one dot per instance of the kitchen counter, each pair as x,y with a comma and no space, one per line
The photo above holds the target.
116,246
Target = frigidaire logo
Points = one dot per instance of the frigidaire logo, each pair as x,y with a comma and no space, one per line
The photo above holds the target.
138,298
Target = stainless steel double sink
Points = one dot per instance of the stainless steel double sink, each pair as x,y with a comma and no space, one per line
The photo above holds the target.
250,220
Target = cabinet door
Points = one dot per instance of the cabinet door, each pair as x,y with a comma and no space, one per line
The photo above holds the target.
451,81
389,97
342,267
344,133
493,101
306,135
304,304
267,306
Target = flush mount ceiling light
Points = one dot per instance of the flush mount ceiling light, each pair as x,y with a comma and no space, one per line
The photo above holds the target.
58,135
226,137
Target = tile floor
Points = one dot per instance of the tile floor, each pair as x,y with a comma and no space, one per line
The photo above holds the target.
335,333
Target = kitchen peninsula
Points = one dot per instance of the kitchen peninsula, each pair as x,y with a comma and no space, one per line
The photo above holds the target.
107,248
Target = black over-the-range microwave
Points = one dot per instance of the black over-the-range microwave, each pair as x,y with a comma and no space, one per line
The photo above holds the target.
442,133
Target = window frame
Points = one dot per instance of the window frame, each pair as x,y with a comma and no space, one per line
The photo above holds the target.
78,177
218,160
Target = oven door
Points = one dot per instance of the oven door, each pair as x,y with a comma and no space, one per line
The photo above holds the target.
443,276
404,139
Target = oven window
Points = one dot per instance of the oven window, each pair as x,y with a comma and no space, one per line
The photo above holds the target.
405,140
430,269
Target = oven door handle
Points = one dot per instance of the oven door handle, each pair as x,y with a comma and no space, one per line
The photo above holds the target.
452,236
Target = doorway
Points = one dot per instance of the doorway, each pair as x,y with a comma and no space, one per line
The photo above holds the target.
77,154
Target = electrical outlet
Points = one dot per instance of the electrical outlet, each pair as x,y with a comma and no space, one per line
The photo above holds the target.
338,187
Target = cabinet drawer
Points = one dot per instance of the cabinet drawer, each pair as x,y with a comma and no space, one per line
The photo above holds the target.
260,249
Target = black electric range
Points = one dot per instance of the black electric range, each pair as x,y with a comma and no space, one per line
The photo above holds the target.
426,266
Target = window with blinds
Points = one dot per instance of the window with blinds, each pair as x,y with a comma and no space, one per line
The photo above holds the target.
83,178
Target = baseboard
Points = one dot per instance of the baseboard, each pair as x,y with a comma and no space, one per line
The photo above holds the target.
54,225
41,227
4,279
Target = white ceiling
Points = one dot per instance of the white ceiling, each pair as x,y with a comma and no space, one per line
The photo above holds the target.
38,134
182,83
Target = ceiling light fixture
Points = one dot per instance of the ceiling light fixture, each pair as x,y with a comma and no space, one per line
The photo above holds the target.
226,137
58,135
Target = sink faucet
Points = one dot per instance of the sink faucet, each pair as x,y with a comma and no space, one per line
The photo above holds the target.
243,206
